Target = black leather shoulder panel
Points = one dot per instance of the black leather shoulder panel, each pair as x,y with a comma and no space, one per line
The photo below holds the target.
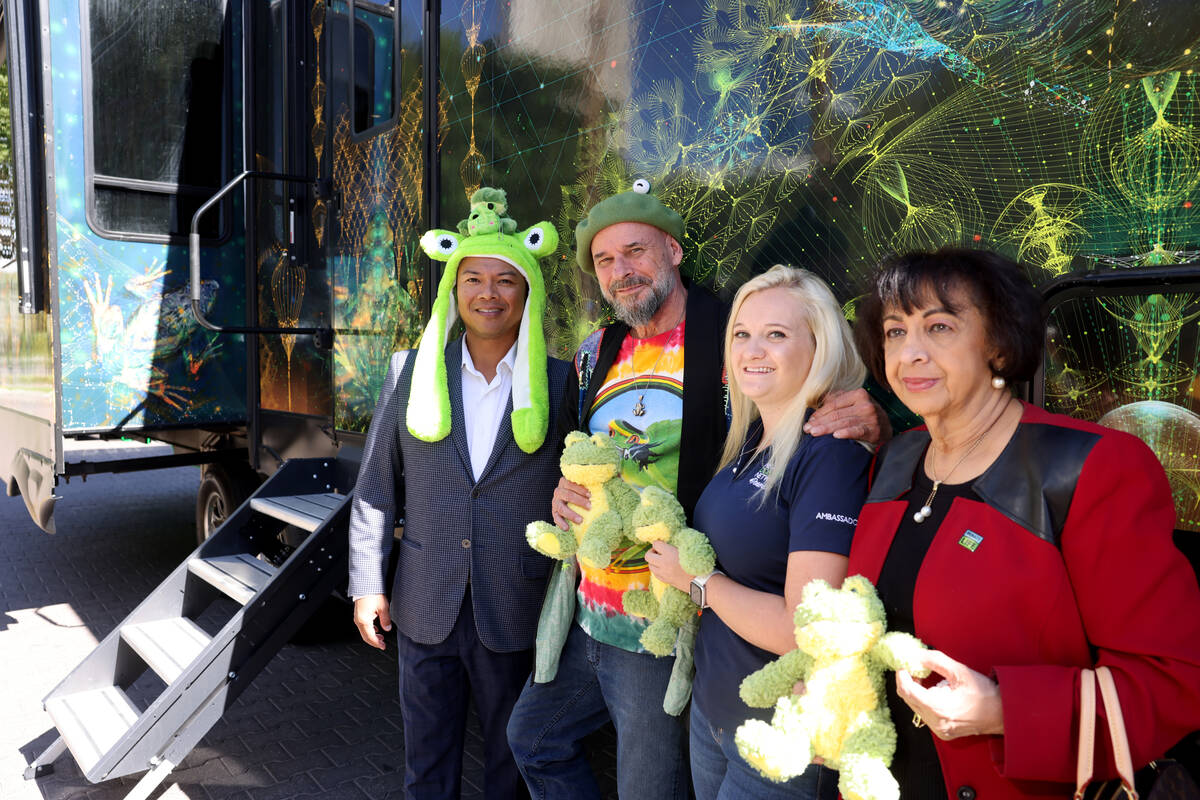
1033,480
897,463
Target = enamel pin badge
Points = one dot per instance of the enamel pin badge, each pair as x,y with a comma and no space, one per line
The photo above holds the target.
971,540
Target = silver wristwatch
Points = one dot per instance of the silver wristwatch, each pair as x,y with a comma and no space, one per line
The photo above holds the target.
697,591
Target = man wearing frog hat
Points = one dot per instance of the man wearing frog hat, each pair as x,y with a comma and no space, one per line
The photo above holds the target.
462,446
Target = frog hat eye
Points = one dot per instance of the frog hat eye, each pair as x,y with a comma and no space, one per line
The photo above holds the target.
541,239
641,186
440,245
446,244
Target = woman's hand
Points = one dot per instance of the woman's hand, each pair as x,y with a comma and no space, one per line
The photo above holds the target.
567,492
965,703
663,560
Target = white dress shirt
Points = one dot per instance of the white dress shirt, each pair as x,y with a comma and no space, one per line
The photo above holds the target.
483,404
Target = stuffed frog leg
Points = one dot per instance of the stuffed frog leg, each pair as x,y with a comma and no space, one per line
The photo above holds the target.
673,611
550,540
762,688
900,651
866,756
603,535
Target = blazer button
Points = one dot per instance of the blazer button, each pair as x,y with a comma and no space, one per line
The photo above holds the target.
466,543
966,793
474,494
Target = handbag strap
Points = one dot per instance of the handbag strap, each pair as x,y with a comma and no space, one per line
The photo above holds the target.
1087,731
1116,729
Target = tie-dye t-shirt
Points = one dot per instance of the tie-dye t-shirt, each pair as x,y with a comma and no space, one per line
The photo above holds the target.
640,404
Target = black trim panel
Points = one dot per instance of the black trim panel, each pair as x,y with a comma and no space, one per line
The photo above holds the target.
1032,481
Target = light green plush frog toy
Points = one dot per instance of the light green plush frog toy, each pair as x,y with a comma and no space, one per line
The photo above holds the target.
659,517
842,716
489,214
595,463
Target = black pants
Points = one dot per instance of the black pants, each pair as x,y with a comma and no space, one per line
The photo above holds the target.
435,683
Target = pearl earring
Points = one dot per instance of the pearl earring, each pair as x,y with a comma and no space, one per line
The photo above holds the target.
998,382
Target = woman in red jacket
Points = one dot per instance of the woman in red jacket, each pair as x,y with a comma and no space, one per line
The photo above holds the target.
1021,546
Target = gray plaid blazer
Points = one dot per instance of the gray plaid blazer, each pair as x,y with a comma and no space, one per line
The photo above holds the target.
456,531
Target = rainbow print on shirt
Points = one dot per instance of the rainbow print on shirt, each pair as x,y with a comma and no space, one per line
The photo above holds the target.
640,405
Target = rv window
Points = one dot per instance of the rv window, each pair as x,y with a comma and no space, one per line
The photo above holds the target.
158,130
374,49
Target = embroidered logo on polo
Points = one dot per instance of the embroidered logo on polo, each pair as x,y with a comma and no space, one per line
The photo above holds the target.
759,479
836,518
971,540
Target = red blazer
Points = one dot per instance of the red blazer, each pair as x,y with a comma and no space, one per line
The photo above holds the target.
1076,553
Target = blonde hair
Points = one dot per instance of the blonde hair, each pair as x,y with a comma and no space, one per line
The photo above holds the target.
835,367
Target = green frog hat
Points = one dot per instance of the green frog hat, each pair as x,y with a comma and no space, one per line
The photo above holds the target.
487,231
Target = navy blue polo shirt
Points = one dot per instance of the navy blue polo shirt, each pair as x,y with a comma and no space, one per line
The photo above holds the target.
815,507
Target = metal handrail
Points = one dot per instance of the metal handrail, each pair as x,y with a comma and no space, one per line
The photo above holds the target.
322,334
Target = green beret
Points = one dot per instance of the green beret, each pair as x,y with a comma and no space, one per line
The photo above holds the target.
632,206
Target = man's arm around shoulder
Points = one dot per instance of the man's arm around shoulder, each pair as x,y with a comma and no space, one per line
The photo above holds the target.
851,415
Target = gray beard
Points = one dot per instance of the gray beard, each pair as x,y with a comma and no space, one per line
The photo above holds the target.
638,314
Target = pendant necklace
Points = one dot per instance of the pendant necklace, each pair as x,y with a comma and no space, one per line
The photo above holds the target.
926,508
639,408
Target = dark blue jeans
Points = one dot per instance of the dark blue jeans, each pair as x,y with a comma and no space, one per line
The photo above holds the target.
720,773
436,681
596,683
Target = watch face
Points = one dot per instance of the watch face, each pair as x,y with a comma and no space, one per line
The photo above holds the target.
696,592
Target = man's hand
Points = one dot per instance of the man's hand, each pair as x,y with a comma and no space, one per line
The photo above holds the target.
851,415
567,492
368,609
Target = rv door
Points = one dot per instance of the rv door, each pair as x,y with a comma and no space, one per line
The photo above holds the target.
30,436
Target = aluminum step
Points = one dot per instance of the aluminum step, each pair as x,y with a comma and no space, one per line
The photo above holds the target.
109,736
168,646
92,722
240,576
305,511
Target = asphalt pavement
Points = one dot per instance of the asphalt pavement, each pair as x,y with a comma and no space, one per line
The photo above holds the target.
320,721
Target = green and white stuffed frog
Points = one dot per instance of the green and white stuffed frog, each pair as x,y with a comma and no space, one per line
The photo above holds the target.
842,716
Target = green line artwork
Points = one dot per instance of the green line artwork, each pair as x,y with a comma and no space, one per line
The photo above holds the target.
829,133
1154,322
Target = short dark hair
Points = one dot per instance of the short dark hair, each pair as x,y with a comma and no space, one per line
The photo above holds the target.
1012,309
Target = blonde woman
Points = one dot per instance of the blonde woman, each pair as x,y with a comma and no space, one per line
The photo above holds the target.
780,512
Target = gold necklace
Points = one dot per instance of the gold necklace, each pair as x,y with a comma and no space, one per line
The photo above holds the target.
639,408
926,509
